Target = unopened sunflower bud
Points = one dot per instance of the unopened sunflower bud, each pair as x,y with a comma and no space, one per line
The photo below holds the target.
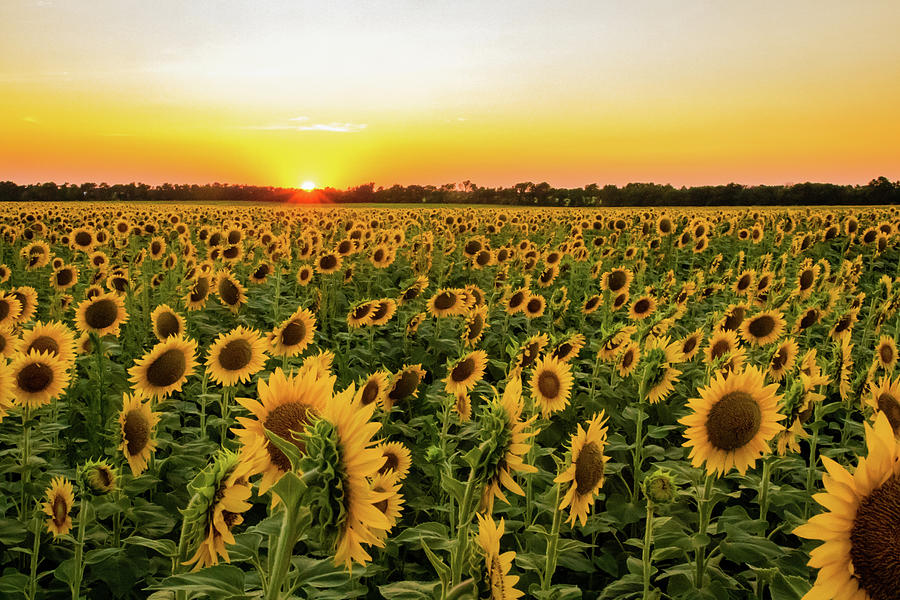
99,477
660,488
434,454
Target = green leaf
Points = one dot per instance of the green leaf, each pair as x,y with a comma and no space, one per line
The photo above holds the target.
454,487
165,547
289,448
220,581
92,557
65,572
320,573
12,585
409,590
290,489
742,548
789,587
440,566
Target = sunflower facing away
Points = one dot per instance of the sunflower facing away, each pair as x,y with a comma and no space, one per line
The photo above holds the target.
235,356
37,378
466,372
60,498
551,384
585,473
497,565
102,314
165,368
136,425
859,559
732,421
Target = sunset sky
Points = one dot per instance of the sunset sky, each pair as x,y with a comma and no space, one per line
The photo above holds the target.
280,93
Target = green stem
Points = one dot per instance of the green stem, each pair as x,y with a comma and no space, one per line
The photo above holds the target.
462,535
79,547
552,544
638,452
26,456
277,274
764,490
282,559
35,553
704,514
645,555
811,470
203,400
97,412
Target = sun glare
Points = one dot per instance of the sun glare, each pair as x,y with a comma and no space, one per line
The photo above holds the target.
308,186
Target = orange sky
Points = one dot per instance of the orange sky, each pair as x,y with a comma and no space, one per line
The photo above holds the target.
408,92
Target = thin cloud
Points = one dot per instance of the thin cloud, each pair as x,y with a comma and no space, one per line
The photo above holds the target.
332,127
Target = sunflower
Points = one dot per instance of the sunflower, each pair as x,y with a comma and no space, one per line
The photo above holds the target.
846,371
374,388
382,311
166,322
569,348
617,280
551,384
612,344
10,309
885,398
591,304
445,302
64,277
690,344
858,558
515,301
403,385
396,459
783,359
102,315
732,421
53,337
199,294
535,306
721,343
807,319
136,425
642,308
497,566
60,499
28,299
230,291
465,372
843,327
8,343
585,473
294,334
628,359
37,378
360,314
660,376
328,263
6,397
476,322
165,368
412,291
100,476
886,353
235,356
744,282
734,316
529,351
386,485
502,425
762,329
304,275
221,495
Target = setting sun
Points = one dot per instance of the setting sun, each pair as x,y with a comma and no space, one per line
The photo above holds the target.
308,186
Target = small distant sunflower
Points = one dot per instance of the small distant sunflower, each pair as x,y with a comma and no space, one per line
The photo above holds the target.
374,388
403,385
166,322
53,337
294,334
612,344
628,359
28,299
60,499
412,291
535,306
530,350
304,275
230,291
235,356
476,322
886,353
360,314
445,302
586,470
642,308
37,378
807,319
165,368
858,558
783,359
763,329
551,384
497,566
465,372
396,458
690,344
569,348
515,301
382,311
102,315
10,309
136,425
659,373
732,421
591,304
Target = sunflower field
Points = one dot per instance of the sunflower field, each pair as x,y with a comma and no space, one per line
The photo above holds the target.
275,402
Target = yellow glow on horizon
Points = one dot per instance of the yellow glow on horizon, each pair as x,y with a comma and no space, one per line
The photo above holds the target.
308,186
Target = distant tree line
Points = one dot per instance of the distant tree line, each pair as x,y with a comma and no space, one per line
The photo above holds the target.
877,191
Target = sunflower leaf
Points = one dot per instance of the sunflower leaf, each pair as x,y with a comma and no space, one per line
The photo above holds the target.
289,448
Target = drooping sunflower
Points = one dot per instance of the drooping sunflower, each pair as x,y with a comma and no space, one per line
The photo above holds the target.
37,378
235,356
196,298
612,344
551,384
136,426
386,485
660,374
60,499
497,565
783,359
585,473
412,291
374,388
52,337
294,334
286,406
403,385
885,398
102,314
465,372
501,423
858,558
396,458
230,291
165,368
763,329
530,350
591,304
166,322
886,353
732,421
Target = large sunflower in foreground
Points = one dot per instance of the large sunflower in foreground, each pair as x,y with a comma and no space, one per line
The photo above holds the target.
37,378
859,559
136,425
286,406
60,498
585,473
235,356
497,565
165,368
732,421
102,314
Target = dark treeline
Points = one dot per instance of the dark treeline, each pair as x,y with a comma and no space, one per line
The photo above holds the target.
877,191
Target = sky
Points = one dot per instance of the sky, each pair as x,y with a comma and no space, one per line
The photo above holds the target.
426,92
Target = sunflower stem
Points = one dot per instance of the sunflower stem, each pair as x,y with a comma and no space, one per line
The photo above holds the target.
97,411
203,399
703,508
35,552
26,455
283,550
764,490
813,460
79,546
552,543
462,535
645,553
277,294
